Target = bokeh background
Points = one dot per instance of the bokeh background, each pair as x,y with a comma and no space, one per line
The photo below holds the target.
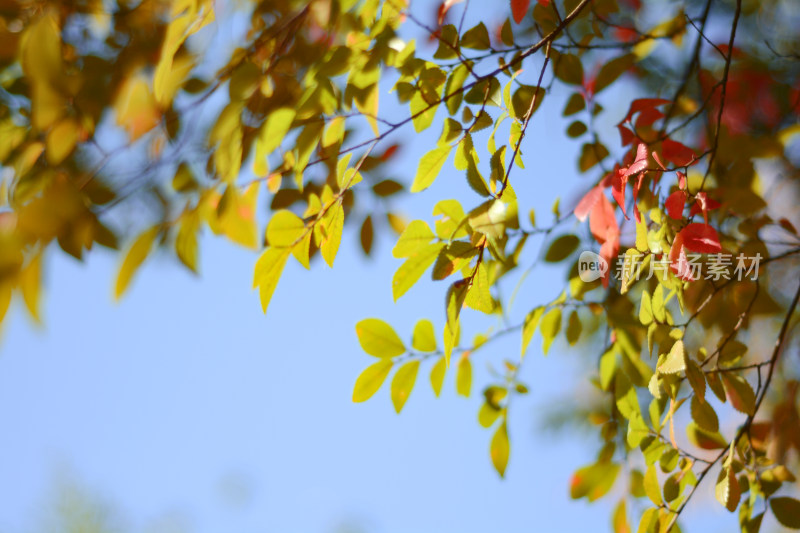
184,409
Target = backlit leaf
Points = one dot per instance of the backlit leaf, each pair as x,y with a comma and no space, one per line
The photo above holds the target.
377,338
136,255
424,339
370,380
499,449
403,383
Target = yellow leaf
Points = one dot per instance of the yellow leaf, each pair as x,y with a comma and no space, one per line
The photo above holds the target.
500,449
413,268
371,380
190,16
529,327
267,273
414,237
41,49
136,108
464,377
551,325
270,136
403,383
429,167
5,299
424,338
378,339
437,375
61,140
136,255
30,283
186,241
675,361
284,229
238,215
334,224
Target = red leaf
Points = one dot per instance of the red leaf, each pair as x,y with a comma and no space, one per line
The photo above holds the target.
679,154
681,266
700,238
519,8
602,222
681,180
647,117
586,204
446,5
618,183
642,104
703,204
658,160
627,135
675,203
640,163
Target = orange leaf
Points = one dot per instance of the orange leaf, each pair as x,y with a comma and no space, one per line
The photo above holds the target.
519,8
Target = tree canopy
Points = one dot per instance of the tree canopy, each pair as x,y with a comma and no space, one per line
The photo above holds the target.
128,125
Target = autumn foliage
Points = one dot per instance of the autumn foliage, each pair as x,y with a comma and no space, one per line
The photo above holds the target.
136,129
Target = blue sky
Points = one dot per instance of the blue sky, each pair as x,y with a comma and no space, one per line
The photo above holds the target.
184,395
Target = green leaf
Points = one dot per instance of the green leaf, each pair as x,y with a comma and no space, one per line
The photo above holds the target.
704,415
453,87
437,375
707,440
403,383
413,268
612,70
786,511
136,255
551,325
522,99
575,104
568,68
675,360
727,490
370,380
574,328
499,449
696,379
561,248
378,339
476,38
267,273
284,229
424,339
576,129
740,393
591,154
464,377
